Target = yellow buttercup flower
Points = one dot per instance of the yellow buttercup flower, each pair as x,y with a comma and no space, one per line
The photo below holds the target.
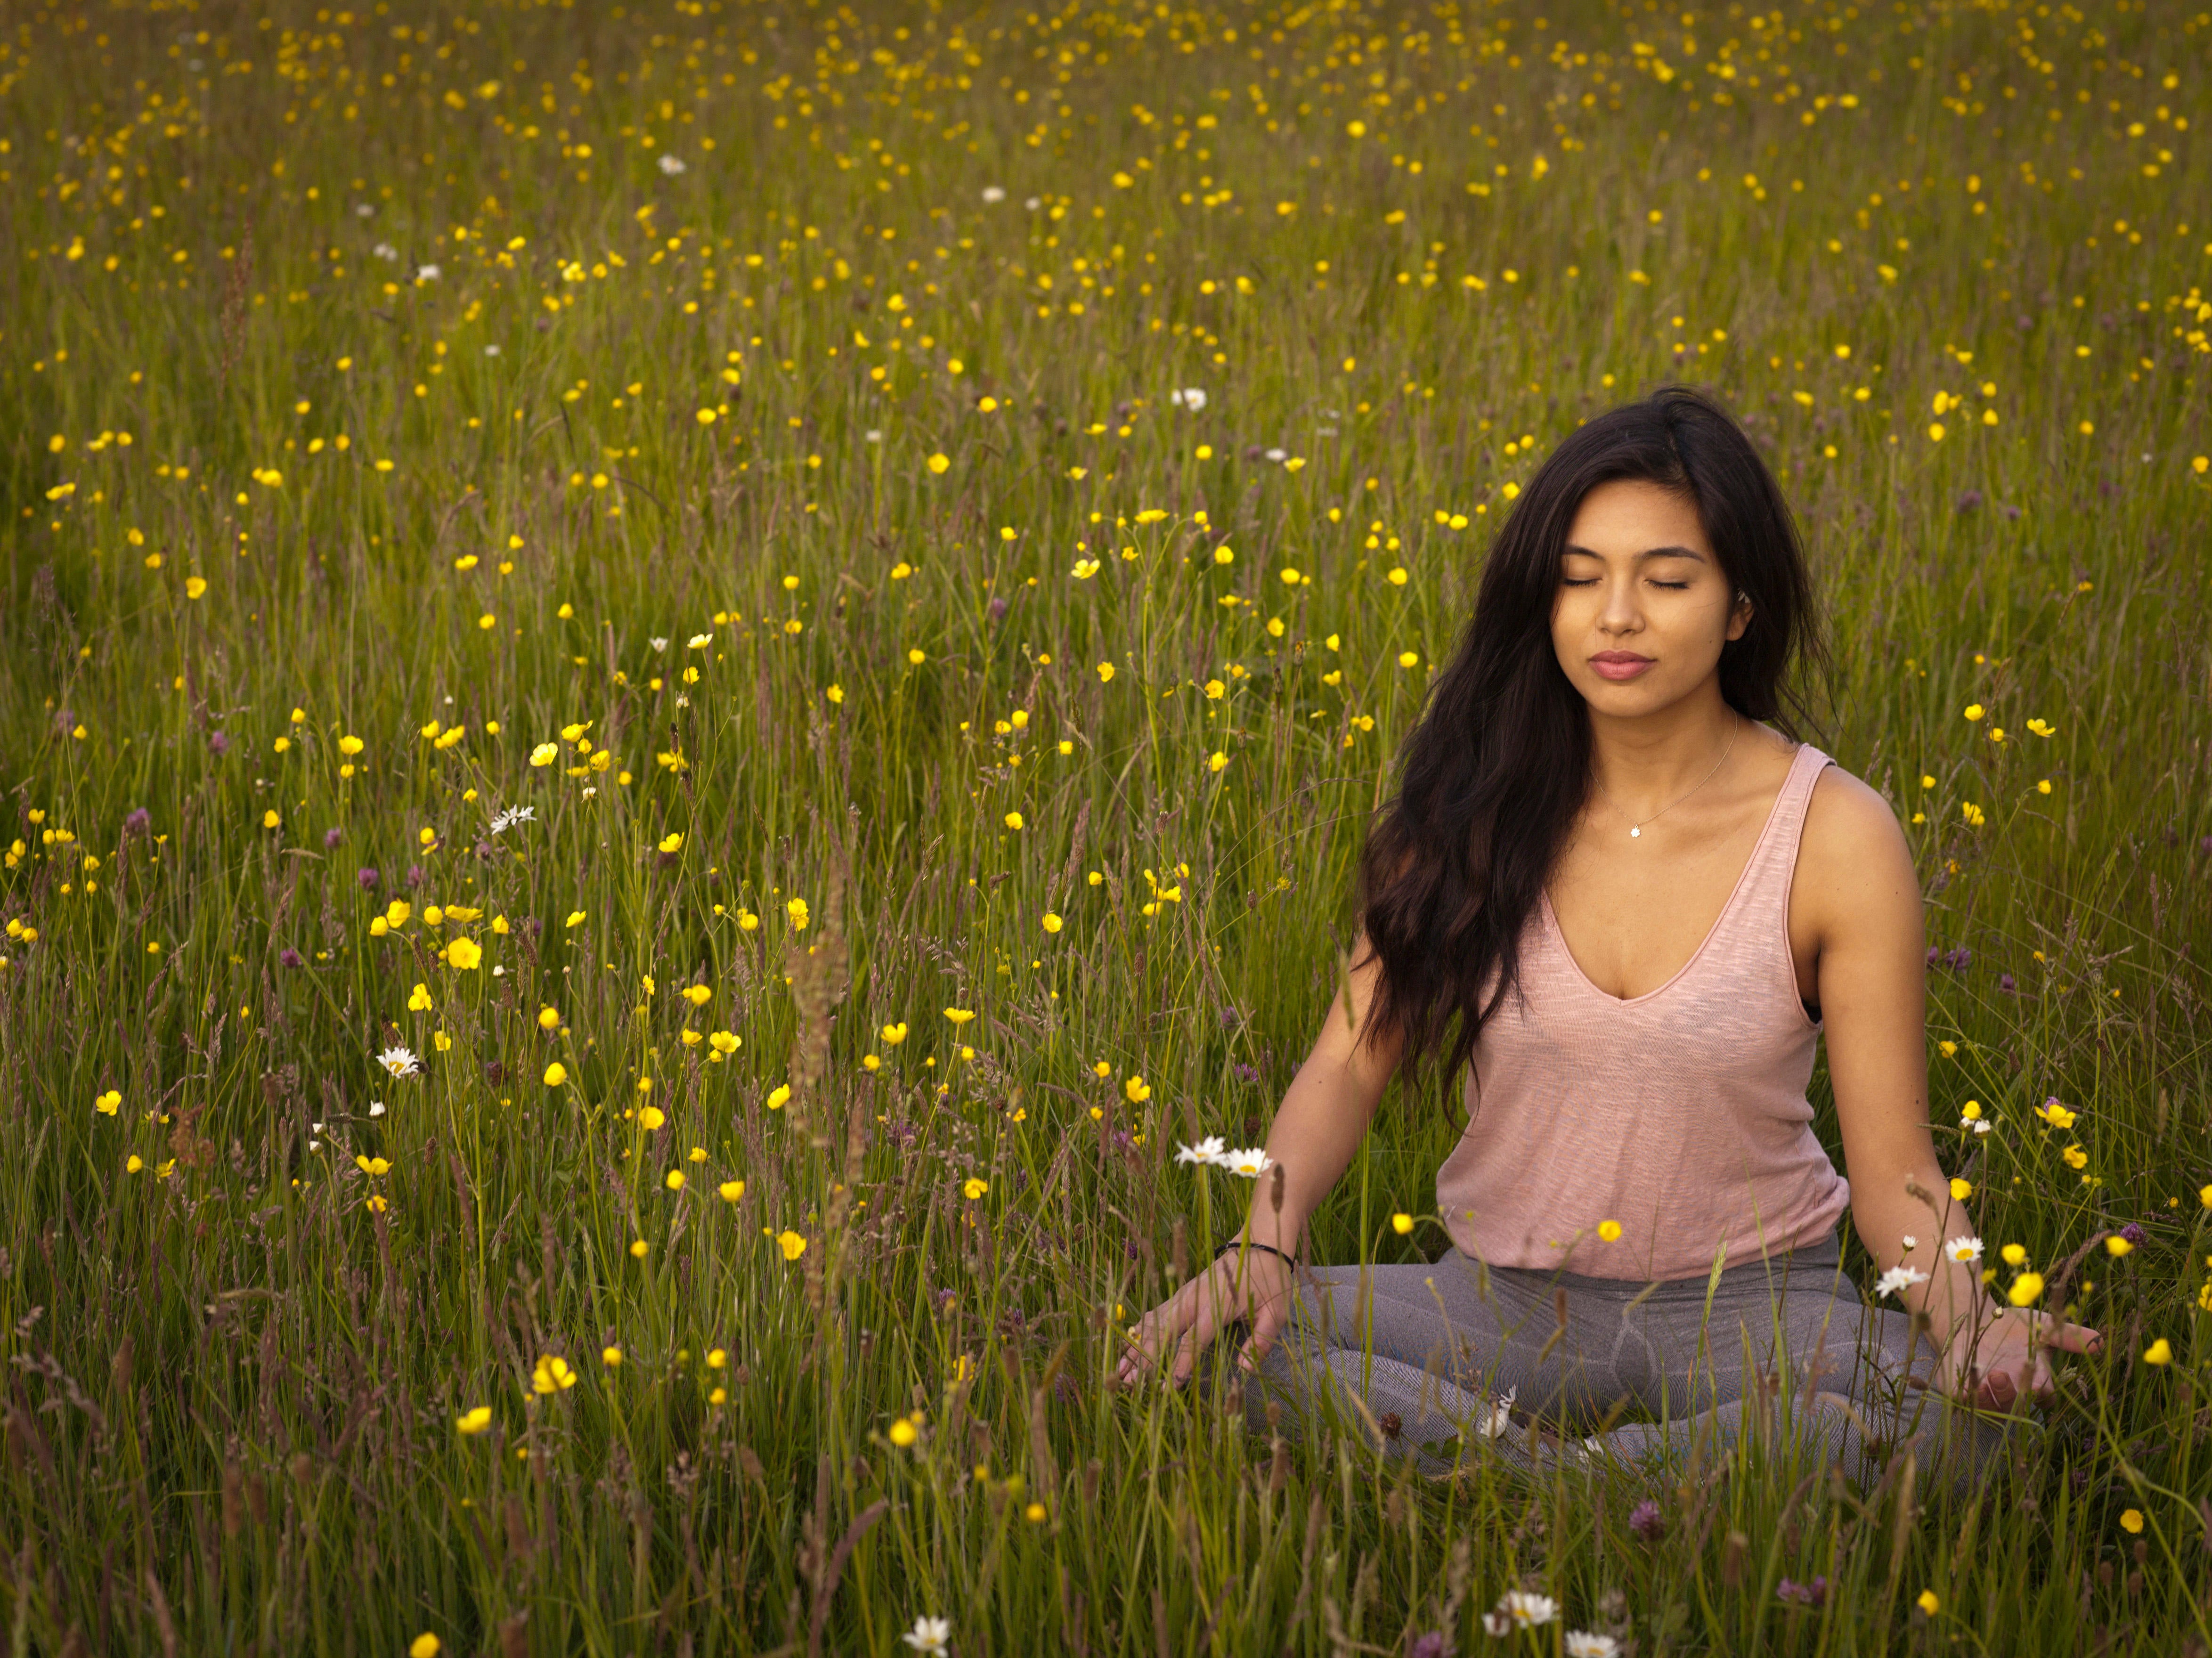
551,1374
792,1245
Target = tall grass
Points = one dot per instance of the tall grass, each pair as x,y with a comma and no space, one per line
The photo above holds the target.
700,461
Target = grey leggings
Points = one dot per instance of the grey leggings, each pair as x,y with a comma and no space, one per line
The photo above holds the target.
1444,1341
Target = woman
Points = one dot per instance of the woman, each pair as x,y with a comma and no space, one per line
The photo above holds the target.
1644,905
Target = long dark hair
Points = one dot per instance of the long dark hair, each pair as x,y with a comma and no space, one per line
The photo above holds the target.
1496,770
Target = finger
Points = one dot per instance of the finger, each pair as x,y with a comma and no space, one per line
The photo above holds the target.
1152,1333
1201,1331
1187,1352
2073,1337
1266,1324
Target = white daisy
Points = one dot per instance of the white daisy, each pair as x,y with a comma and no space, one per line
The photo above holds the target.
1518,1609
1251,1163
670,165
1582,1643
385,251
657,643
428,273
1964,1249
1898,1279
1910,1243
1496,1416
992,193
508,819
930,1634
376,1108
1192,397
1208,1150
399,1061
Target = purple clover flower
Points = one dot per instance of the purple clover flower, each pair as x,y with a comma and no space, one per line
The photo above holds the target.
1646,1522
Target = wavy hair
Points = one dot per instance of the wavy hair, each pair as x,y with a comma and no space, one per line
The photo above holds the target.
1494,773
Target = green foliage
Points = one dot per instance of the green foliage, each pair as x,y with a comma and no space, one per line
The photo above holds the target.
775,477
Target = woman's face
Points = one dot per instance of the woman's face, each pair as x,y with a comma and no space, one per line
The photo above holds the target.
1642,607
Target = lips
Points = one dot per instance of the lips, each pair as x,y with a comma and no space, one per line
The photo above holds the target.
1619,665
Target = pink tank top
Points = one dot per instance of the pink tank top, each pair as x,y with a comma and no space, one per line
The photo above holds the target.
1679,1114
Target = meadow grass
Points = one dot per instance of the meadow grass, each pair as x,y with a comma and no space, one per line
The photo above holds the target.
745,435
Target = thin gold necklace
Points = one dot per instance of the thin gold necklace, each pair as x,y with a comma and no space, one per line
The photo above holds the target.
1636,829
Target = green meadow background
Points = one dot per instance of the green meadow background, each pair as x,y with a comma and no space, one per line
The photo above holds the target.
755,439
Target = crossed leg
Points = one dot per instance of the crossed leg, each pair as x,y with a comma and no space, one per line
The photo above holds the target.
1419,1355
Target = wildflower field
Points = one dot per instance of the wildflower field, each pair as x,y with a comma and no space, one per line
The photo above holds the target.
682,682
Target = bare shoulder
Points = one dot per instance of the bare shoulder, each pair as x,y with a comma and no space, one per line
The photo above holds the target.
1854,865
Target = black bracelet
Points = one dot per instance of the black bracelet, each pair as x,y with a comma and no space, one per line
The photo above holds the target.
1248,1243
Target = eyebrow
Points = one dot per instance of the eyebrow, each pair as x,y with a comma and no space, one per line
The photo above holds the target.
1648,552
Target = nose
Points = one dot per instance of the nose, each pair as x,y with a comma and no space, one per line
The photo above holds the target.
1619,614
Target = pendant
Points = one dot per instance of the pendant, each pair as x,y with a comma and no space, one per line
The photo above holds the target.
1635,833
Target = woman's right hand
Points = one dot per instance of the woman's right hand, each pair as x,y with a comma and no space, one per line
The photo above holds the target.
1250,1285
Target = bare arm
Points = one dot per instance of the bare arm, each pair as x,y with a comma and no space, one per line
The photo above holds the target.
1316,1129
1326,1109
1865,896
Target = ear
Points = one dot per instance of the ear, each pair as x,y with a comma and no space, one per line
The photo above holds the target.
1739,617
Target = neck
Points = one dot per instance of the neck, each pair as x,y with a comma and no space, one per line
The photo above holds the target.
1645,764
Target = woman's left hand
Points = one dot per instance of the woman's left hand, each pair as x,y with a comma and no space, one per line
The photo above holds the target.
1987,1372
